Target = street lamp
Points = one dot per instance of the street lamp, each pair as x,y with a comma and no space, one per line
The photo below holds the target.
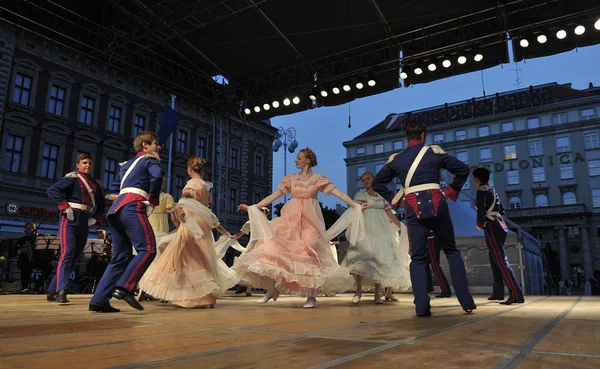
287,139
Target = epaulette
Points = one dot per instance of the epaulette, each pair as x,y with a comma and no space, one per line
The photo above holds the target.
437,149
392,157
71,175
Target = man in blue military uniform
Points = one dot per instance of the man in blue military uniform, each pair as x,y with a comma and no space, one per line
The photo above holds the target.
418,168
138,187
489,219
81,202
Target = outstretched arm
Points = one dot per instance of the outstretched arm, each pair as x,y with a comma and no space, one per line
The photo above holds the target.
264,202
223,231
392,217
342,196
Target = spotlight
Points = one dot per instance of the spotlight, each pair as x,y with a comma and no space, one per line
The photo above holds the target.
418,71
542,39
296,100
346,87
324,93
336,90
312,97
359,85
579,30
446,63
561,34
597,25
403,75
275,104
266,106
462,59
247,111
524,42
372,79
286,102
478,57
432,67
257,109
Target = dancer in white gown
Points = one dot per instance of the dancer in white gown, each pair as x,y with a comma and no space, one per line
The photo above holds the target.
376,259
224,243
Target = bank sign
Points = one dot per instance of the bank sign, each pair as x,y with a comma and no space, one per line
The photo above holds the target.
479,107
536,162
15,209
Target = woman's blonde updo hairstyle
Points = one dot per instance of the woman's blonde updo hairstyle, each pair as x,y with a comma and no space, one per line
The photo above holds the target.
197,164
367,174
310,155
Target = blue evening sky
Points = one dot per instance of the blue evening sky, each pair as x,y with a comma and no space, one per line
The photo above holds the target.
324,129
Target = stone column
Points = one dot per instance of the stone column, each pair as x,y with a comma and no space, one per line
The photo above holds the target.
565,266
587,252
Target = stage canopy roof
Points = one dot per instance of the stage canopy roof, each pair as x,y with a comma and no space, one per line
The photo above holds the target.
249,54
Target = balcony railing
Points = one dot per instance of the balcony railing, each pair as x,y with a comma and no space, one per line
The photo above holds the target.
548,211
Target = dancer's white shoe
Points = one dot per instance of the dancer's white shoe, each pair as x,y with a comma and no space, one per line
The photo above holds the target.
310,303
267,296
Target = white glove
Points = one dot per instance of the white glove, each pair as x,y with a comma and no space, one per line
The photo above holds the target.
149,207
69,213
91,222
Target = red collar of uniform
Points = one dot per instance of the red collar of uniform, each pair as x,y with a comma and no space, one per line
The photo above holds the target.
414,143
83,174
140,153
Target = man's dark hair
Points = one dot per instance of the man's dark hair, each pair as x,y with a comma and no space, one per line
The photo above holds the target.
415,127
483,174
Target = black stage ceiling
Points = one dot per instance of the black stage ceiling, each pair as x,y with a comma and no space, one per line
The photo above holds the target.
269,50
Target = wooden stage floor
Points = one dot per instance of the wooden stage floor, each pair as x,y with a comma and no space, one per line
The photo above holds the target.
545,332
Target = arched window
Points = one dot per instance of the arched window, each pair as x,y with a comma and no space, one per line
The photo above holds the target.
514,203
569,198
541,200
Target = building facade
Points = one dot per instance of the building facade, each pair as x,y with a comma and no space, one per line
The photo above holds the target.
55,104
542,146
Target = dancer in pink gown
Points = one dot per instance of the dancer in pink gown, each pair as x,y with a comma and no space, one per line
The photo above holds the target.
292,255
187,274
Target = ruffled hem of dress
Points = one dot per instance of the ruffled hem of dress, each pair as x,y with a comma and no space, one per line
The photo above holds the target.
310,279
175,286
227,277
372,274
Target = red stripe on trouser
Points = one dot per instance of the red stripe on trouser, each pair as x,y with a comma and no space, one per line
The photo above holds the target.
409,241
498,257
130,285
436,266
500,263
63,249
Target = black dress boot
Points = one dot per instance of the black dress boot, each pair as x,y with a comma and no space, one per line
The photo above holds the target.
103,309
61,297
511,301
122,294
